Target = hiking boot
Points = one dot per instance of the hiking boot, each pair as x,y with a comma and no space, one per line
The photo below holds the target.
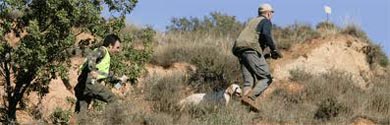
246,100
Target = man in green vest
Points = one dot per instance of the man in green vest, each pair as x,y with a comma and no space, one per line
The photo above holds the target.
94,70
248,47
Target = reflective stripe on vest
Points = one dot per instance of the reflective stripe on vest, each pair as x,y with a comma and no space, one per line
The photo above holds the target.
104,65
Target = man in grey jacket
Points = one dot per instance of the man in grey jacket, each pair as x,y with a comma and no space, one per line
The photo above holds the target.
248,47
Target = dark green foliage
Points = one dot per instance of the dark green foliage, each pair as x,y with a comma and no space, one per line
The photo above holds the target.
217,23
41,53
131,61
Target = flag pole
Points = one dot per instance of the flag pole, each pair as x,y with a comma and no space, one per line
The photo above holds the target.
327,17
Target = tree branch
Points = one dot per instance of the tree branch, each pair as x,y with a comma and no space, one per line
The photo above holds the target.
2,69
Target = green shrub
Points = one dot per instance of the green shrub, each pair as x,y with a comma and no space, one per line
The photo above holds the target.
60,116
215,69
329,108
98,105
217,24
131,61
293,34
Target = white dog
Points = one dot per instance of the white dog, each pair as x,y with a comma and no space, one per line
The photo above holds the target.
222,97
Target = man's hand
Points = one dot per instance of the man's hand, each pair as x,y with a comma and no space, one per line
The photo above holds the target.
94,74
124,78
275,54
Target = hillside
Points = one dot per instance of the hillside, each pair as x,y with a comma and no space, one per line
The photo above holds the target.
324,78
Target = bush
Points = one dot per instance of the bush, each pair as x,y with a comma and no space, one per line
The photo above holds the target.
329,108
164,92
172,54
379,101
294,34
325,98
131,61
60,116
355,31
217,24
375,56
215,71
327,28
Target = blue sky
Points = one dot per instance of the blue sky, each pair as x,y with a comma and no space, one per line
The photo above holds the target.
372,15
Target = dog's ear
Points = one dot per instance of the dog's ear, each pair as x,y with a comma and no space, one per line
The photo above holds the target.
230,90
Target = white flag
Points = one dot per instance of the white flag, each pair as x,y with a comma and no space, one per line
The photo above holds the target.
328,10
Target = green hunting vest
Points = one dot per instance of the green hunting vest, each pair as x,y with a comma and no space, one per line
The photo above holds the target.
249,37
104,65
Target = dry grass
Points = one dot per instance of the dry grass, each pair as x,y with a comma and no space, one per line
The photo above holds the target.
327,29
328,98
164,93
294,34
216,66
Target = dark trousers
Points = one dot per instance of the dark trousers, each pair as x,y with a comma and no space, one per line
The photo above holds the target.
256,73
86,92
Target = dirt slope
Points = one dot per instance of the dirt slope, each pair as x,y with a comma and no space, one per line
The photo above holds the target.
340,53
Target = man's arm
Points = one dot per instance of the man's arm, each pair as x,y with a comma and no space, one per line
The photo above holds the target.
265,29
266,34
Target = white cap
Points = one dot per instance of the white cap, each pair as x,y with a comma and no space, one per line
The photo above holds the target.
265,7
